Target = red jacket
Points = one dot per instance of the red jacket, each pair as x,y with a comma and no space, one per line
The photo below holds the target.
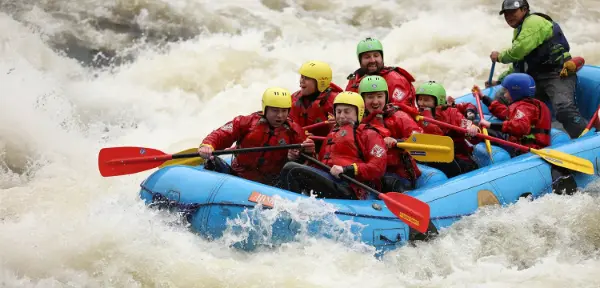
462,146
466,106
401,126
362,147
399,81
254,131
306,111
527,121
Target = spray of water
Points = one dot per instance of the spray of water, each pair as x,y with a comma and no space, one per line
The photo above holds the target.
76,76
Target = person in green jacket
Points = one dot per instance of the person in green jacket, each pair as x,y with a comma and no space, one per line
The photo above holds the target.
540,49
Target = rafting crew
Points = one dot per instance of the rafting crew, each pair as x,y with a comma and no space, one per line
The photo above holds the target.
269,127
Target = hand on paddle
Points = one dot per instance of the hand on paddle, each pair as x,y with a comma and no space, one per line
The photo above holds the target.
473,130
390,142
494,83
308,146
450,100
485,123
494,56
205,151
336,170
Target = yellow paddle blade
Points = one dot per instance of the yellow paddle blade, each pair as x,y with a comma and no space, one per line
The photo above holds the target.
566,160
488,145
185,161
429,148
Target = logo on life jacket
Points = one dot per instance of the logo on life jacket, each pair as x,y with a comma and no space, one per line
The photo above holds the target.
519,114
398,94
281,141
377,151
227,127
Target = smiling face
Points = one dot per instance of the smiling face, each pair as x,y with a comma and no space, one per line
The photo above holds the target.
374,100
371,61
426,101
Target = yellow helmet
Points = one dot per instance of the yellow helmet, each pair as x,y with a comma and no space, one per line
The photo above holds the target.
319,71
351,98
276,97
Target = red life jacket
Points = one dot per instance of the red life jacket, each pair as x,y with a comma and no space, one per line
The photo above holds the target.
539,135
306,112
407,97
399,161
265,166
342,147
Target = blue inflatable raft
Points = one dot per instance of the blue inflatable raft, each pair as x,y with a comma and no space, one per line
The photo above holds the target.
214,203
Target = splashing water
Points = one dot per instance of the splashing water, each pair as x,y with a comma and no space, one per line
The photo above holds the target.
76,76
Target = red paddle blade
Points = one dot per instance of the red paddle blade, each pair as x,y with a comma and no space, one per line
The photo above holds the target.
410,210
116,161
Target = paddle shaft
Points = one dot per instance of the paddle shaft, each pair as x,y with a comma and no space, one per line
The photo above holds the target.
308,127
491,73
192,155
401,144
477,93
450,126
413,212
494,139
592,121
343,176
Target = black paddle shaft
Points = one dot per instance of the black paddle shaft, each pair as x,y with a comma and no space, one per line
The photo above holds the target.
241,150
343,176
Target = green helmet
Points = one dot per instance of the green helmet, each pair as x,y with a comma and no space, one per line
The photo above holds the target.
373,83
434,89
369,44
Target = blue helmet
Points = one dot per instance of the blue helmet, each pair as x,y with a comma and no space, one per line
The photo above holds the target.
519,86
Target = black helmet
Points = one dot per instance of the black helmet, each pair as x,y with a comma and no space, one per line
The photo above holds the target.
513,4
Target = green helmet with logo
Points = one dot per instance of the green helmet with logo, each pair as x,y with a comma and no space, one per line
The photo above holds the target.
367,45
373,83
433,89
